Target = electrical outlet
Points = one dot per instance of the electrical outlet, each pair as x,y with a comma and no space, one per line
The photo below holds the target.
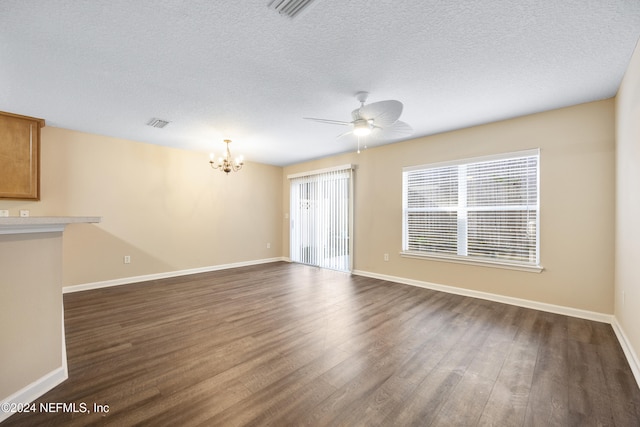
127,259
24,213
4,212
386,257
268,245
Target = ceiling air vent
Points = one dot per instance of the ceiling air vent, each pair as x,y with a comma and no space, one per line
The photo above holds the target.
157,123
289,8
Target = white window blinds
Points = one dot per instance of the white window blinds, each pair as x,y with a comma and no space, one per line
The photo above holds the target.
482,209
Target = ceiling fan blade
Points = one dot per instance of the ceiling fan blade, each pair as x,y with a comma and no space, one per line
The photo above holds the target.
383,113
349,132
331,122
397,130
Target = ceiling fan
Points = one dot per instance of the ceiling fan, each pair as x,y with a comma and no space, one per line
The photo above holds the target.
378,120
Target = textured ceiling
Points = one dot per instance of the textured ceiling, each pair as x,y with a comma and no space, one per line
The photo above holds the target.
238,70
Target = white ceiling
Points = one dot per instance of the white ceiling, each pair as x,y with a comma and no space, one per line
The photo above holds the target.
238,70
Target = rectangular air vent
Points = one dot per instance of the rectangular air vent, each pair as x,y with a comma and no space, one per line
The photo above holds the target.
289,8
157,123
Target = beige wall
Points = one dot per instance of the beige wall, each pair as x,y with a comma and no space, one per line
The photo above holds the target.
577,205
164,207
30,309
627,272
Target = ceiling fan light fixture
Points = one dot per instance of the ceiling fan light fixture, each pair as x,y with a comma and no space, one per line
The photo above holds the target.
361,127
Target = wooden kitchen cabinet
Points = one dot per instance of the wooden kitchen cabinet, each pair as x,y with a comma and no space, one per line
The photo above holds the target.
19,156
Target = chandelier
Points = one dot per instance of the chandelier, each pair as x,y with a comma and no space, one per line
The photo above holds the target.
224,163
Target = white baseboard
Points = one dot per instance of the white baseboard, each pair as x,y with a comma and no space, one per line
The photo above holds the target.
551,308
632,357
65,366
34,390
166,275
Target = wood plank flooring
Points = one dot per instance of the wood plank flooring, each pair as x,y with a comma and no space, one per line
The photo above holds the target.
285,344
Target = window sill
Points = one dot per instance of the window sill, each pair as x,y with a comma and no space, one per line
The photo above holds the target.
480,263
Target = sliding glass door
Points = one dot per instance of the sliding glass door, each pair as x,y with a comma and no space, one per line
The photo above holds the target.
321,219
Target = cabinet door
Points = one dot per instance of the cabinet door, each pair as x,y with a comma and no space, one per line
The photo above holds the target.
19,156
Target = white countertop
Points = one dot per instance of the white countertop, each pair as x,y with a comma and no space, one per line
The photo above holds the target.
41,224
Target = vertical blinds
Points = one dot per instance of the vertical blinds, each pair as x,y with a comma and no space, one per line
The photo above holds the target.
321,219
487,209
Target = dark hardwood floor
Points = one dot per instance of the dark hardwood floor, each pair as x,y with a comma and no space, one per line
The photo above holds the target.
285,344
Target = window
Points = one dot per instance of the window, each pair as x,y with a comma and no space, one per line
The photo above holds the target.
483,210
